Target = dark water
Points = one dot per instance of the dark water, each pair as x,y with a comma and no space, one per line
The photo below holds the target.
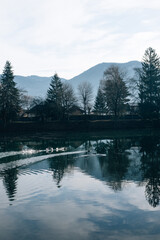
89,188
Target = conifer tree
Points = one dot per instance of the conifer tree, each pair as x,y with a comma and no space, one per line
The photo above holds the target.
149,84
100,105
54,97
9,95
54,93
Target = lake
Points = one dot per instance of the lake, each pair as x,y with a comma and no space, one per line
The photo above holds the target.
80,186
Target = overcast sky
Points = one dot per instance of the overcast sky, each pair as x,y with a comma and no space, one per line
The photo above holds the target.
41,37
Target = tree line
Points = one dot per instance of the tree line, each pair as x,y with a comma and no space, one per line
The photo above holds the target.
113,97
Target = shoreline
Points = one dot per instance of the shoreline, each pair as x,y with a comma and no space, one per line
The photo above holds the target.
79,126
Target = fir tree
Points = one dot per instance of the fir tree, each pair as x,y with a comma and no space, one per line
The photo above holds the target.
54,97
100,105
149,84
9,95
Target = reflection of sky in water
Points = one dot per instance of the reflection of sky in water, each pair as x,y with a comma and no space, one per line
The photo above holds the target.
83,208
74,197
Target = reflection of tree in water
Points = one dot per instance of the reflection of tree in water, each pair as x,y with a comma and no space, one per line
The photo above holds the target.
101,147
87,145
152,192
115,166
10,182
59,166
150,165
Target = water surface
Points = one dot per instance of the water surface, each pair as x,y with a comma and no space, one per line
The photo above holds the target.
80,188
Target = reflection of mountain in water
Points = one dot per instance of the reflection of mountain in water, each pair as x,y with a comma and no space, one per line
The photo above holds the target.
113,161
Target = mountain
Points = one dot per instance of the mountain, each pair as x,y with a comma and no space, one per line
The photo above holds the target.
95,74
38,86
35,86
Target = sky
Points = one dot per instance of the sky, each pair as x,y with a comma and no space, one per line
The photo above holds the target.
41,37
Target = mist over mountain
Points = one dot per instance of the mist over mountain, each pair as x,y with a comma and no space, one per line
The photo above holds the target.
38,86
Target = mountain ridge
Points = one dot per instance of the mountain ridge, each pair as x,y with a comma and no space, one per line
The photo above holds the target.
38,86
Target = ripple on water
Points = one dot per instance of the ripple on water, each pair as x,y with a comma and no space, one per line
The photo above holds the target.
28,171
31,178
34,185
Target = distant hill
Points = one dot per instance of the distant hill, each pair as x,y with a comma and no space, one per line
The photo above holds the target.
95,74
37,86
34,85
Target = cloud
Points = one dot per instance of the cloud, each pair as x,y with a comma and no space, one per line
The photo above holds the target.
41,37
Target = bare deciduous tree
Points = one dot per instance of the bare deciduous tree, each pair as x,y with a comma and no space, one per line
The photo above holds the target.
85,93
25,99
68,98
115,90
